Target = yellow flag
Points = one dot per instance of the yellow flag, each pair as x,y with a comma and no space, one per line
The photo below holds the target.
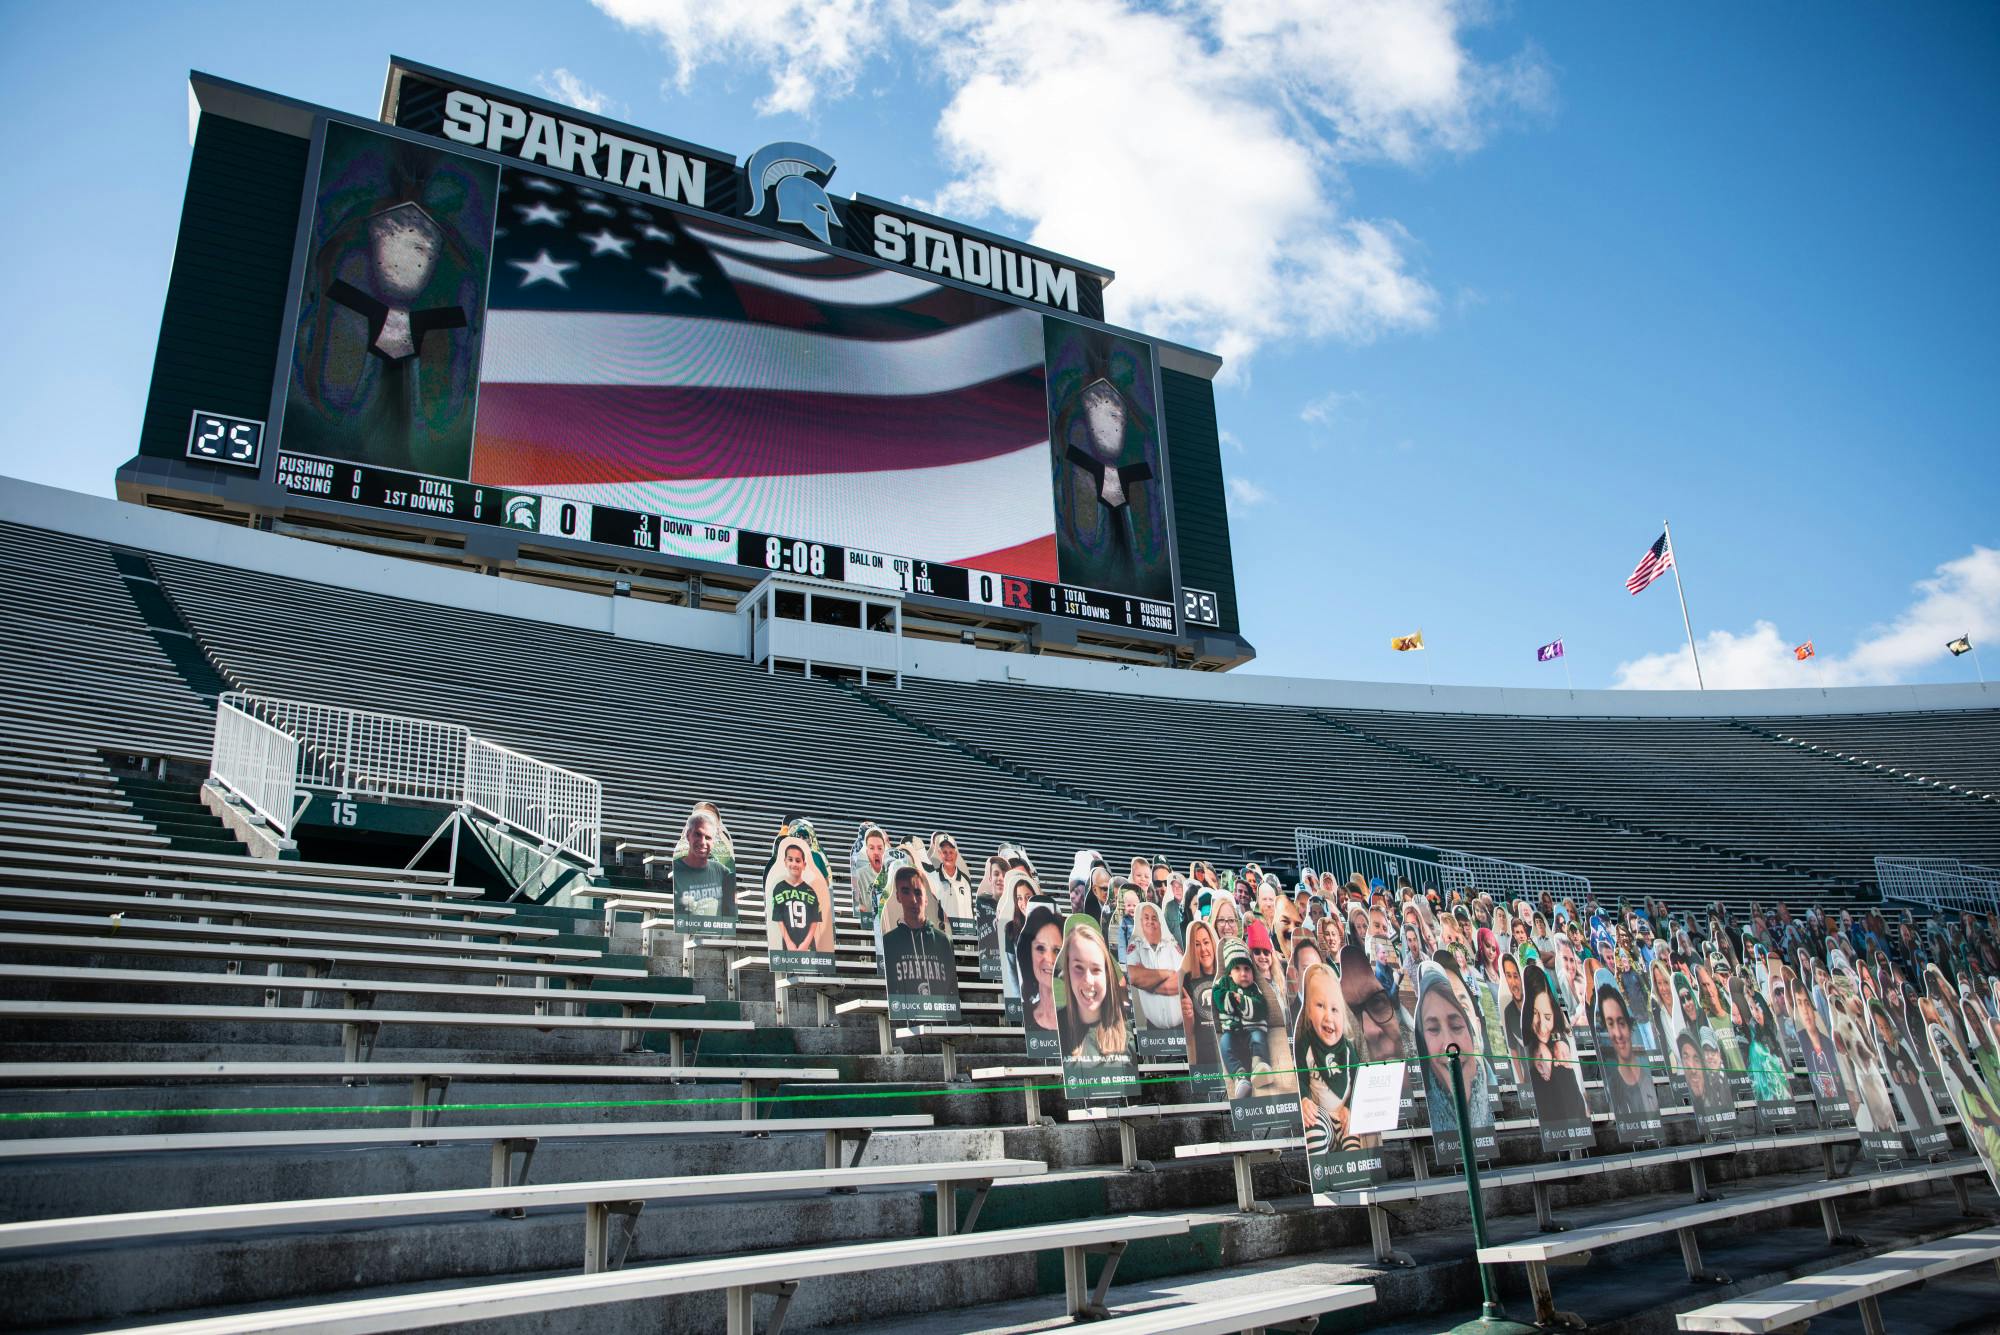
1405,643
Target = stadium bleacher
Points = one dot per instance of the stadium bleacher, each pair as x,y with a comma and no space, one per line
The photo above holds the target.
243,1094
1688,810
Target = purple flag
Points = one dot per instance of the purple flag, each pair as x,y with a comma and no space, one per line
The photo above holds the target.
1551,650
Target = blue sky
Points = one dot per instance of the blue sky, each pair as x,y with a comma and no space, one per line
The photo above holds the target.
1500,288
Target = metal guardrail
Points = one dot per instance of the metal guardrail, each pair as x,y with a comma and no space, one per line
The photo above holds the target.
1502,878
1371,838
271,753
1321,851
558,805
1378,854
258,762
386,756
1941,884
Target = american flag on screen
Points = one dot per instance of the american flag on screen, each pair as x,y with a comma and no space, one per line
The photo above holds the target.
1659,558
639,359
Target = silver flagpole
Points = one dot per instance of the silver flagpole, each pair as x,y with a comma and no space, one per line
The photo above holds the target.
1686,625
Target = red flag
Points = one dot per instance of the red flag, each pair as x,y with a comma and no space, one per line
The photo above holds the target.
1655,563
1803,651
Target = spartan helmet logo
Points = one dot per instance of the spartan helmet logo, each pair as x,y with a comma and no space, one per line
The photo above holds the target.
786,170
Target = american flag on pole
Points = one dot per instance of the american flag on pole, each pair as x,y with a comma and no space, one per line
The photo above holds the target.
1549,652
640,359
1659,558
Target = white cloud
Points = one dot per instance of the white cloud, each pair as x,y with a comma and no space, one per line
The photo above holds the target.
809,48
567,88
1231,439
1220,203
1323,410
1199,149
1760,658
1245,493
1961,598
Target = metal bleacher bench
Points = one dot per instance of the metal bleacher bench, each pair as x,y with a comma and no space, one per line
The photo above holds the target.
1540,1178
134,923
19,824
359,1028
1539,1252
740,1278
849,976
601,1201
1029,1078
292,907
1286,1307
949,1036
508,1140
878,1008
430,1082
67,861
1790,1305
1126,1116
380,896
70,851
312,957
358,992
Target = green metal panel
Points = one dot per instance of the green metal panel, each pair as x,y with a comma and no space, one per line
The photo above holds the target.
225,310
1201,511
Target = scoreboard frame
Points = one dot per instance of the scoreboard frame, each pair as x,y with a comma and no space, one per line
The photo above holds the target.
292,483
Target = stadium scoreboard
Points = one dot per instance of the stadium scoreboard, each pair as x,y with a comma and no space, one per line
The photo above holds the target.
489,314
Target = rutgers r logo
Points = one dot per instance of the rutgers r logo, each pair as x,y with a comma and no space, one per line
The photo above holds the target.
1014,593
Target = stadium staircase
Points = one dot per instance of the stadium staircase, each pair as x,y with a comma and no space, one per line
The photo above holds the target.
168,629
173,808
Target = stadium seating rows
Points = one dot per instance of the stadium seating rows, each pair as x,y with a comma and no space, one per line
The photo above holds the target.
1688,810
372,1203
136,1015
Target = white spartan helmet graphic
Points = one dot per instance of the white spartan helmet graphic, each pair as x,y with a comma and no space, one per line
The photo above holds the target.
786,171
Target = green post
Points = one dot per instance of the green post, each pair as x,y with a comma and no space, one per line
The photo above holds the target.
1493,1318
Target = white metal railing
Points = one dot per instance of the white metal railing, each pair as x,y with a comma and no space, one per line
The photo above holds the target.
1320,850
1373,838
1943,885
1505,879
267,751
388,756
1380,854
258,762
558,805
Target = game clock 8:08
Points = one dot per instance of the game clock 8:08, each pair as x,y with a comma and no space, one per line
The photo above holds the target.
790,556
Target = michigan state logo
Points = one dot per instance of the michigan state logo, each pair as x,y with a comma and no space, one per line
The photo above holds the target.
786,171
524,512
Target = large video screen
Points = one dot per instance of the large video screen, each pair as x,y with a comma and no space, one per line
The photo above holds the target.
486,343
